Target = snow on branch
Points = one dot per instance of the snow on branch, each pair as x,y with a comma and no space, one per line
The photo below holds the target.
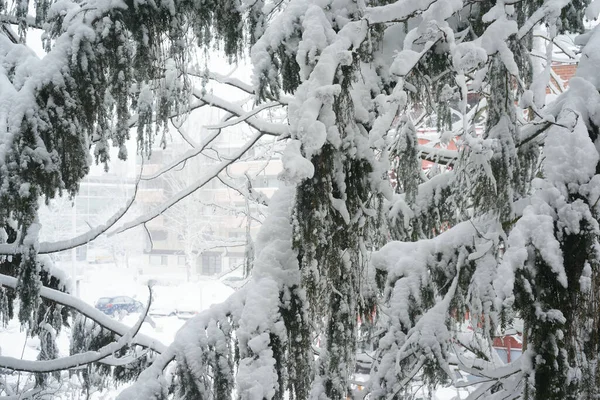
396,12
76,360
96,315
548,9
80,240
243,117
439,156
13,20
265,127
227,80
236,83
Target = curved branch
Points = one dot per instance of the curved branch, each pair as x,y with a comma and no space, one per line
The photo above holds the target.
76,360
80,240
92,313
120,361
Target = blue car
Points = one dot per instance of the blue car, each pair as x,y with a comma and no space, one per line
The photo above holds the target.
117,304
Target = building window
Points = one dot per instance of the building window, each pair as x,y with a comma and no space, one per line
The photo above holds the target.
211,264
158,260
180,260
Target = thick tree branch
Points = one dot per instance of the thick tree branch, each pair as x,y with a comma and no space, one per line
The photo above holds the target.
80,240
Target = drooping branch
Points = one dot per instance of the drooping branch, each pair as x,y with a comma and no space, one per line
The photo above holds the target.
92,313
80,240
77,360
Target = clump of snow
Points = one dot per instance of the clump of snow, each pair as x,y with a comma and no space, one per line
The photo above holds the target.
585,281
526,99
404,62
295,166
468,56
571,157
316,35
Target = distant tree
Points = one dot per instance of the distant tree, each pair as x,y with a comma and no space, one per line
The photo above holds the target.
194,220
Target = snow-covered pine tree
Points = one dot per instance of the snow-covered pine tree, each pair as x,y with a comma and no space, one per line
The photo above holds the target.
106,64
517,253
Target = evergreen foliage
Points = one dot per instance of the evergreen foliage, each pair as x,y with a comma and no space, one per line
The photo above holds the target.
507,229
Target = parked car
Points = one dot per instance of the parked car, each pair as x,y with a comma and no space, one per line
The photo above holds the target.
112,305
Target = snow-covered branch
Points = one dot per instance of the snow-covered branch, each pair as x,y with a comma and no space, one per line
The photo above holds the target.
398,11
96,315
244,117
438,155
77,360
265,127
80,240
29,21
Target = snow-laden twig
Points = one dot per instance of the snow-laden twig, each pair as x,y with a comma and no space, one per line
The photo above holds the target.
239,84
80,240
85,309
266,127
438,155
396,12
76,360
244,117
